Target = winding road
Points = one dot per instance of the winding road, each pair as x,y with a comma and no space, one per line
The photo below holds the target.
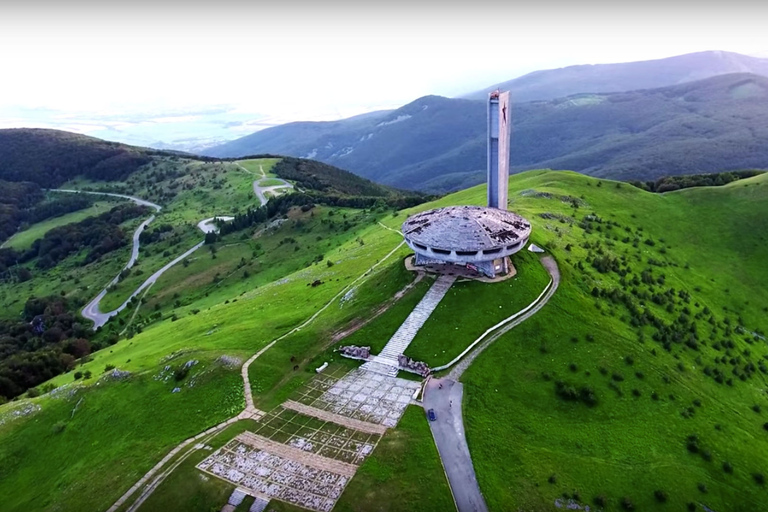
92,312
262,191
448,430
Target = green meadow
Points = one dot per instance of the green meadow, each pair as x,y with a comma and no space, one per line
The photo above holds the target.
640,386
25,238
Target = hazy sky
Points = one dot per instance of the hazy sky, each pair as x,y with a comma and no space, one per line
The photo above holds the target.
326,59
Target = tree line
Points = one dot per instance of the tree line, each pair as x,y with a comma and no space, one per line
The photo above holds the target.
280,206
46,342
669,183
24,203
99,235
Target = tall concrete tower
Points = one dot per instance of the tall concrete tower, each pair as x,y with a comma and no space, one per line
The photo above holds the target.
498,149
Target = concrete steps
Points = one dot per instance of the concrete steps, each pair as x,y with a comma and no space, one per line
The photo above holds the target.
259,505
383,369
408,330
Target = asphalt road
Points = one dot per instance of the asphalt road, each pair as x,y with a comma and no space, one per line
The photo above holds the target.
91,311
448,432
445,397
261,191
137,200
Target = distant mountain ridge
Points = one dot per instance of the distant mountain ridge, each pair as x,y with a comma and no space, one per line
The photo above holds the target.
650,74
438,144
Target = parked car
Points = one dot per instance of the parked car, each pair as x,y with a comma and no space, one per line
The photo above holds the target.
431,415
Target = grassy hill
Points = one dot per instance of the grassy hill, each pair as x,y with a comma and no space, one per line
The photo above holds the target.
438,143
51,157
627,76
660,315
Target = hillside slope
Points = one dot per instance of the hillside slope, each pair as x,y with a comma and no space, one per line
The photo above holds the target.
51,157
660,315
627,76
438,143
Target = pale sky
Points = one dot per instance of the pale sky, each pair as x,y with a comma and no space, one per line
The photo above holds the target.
325,60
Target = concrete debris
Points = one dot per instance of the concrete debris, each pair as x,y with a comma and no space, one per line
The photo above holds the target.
571,505
355,352
408,364
117,374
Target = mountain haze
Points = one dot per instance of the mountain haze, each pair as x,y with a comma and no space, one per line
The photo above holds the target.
438,144
650,74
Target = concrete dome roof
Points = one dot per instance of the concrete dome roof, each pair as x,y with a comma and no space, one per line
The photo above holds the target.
466,228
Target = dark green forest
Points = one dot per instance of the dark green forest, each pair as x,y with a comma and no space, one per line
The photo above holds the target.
46,342
24,203
670,183
96,236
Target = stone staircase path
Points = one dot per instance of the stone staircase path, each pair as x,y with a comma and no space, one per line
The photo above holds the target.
386,362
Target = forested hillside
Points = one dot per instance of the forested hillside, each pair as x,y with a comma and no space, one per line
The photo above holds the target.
51,157
438,144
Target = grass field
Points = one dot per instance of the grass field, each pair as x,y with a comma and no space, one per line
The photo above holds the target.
79,283
661,304
270,182
404,472
187,488
531,446
260,167
82,452
24,239
470,308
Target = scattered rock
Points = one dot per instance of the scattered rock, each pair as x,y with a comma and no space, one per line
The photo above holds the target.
20,411
117,374
230,361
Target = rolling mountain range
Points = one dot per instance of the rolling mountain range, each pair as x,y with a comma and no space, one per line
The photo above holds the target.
438,144
649,74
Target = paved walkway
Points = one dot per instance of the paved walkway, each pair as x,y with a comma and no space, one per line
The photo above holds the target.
407,331
344,421
444,396
298,455
250,411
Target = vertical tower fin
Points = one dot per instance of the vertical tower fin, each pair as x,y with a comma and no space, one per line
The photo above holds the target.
499,117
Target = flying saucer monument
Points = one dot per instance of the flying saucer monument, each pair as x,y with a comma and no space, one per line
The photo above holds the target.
479,238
